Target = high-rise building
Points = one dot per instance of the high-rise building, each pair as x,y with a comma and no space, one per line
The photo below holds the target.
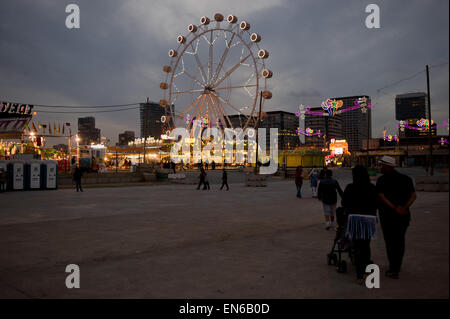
411,107
357,123
125,137
87,132
287,125
151,114
330,127
285,122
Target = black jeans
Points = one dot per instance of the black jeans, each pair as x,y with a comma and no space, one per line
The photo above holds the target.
224,183
202,181
362,256
394,232
78,184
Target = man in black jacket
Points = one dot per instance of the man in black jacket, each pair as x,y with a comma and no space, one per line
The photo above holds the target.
77,178
224,179
396,194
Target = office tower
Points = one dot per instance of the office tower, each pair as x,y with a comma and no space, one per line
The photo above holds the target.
87,132
410,108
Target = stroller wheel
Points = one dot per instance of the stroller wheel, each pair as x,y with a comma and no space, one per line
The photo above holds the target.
332,259
342,266
329,260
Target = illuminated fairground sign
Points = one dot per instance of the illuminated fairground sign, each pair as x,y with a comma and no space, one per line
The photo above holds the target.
15,110
13,125
338,147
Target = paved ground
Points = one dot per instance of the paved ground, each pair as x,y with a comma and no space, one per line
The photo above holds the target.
171,241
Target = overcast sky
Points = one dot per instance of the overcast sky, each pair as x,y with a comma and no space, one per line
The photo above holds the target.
318,49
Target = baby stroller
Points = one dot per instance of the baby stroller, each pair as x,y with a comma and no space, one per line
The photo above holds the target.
342,244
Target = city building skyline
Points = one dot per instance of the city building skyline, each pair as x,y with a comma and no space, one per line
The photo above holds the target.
87,132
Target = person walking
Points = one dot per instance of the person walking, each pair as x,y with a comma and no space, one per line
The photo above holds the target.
77,174
3,179
299,181
206,182
314,179
202,178
360,201
327,195
224,179
396,194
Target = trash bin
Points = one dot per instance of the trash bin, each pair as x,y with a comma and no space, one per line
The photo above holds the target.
16,175
33,175
49,175
133,168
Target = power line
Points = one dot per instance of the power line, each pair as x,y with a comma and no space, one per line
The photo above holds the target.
85,106
75,112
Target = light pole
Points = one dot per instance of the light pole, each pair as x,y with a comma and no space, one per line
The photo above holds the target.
429,123
78,150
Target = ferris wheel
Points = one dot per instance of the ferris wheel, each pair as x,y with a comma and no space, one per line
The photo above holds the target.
215,77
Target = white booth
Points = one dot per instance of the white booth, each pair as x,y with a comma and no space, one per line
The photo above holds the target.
49,172
16,175
33,174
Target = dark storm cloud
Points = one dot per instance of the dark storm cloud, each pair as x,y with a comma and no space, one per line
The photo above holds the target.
318,49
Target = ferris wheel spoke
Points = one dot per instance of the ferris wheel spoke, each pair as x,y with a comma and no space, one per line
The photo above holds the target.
202,84
210,62
234,68
224,112
217,110
235,87
228,103
188,108
197,59
190,91
222,59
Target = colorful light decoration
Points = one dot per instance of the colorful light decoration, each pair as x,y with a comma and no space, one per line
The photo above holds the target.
390,138
308,132
422,125
443,141
332,106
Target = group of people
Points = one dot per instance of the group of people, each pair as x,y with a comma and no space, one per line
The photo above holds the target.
313,179
392,196
205,182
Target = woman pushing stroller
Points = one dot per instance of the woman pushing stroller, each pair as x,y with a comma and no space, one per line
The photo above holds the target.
360,203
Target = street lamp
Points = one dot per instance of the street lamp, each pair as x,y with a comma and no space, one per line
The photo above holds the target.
77,139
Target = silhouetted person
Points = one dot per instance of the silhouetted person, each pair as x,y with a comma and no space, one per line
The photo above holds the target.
224,179
327,194
206,183
314,179
396,194
299,181
3,179
202,178
360,201
213,165
77,174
